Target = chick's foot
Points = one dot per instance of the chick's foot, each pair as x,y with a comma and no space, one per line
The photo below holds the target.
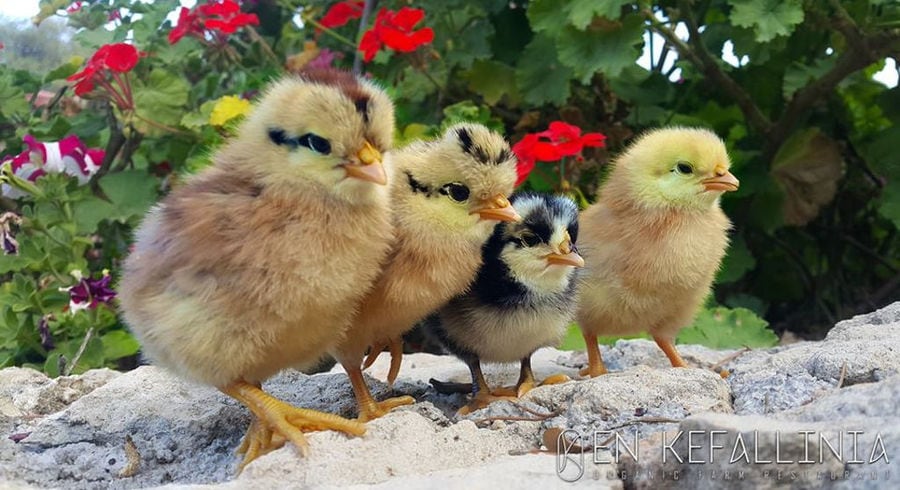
481,400
276,422
374,409
369,409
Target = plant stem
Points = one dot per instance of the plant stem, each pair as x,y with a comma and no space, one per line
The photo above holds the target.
368,7
331,32
81,348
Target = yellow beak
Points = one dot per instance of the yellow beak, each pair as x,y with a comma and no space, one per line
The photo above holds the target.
369,167
565,256
724,181
498,208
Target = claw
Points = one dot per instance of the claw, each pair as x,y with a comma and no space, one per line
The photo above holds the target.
276,422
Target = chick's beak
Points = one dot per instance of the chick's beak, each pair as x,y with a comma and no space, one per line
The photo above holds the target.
369,167
723,181
566,255
497,208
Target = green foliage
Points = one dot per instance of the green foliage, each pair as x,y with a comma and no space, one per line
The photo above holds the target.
723,328
810,135
718,328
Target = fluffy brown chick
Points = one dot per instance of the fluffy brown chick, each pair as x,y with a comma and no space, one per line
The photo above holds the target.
446,197
654,239
258,262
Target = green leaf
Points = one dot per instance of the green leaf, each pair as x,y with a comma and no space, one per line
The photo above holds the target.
582,12
736,263
64,70
160,99
610,48
546,15
131,193
544,82
491,79
768,18
807,167
890,202
723,328
798,75
118,344
199,118
90,212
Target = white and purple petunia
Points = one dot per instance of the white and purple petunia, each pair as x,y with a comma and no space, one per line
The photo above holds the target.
88,293
68,155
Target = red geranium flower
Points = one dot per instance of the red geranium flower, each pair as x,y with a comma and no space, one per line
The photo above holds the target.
395,30
341,13
187,23
114,58
558,141
215,17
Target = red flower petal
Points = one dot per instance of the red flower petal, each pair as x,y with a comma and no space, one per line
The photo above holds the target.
221,9
406,18
341,13
548,152
186,20
121,57
406,41
369,45
594,139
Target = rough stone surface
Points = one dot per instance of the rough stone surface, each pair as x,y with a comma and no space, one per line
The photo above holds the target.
783,405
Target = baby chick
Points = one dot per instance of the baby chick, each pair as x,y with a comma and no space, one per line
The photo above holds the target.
446,197
522,299
257,263
654,239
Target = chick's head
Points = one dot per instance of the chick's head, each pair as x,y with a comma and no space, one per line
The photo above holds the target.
325,127
458,184
540,249
678,167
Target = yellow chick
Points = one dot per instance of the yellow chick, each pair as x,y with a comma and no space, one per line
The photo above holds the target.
446,197
654,239
258,262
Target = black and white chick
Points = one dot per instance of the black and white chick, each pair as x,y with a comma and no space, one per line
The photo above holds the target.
522,299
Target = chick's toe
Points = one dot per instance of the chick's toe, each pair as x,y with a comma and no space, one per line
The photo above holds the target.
277,421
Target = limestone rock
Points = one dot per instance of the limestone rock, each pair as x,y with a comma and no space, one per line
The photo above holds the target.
780,403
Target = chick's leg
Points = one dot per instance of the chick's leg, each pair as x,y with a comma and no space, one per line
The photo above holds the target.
396,349
276,422
370,409
481,392
595,365
668,347
527,382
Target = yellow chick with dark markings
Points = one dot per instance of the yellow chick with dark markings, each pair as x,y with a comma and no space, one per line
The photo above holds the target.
446,197
654,239
522,299
259,262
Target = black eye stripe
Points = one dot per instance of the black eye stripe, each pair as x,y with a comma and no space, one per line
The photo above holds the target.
312,141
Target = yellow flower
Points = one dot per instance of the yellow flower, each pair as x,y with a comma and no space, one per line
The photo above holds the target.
228,108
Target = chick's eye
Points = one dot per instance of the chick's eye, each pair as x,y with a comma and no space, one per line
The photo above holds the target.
684,168
530,240
458,192
315,143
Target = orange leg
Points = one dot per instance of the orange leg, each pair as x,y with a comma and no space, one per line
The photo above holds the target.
527,382
595,365
276,422
668,347
482,395
396,349
370,409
